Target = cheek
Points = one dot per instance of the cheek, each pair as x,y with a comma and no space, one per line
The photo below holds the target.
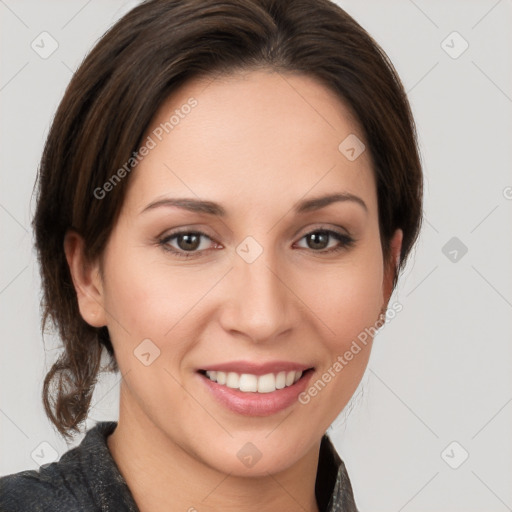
358,303
150,299
348,306
150,302
150,306
348,298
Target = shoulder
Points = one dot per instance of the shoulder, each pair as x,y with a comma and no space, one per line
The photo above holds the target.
70,484
37,491
56,486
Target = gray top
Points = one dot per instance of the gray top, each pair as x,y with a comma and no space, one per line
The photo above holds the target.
87,479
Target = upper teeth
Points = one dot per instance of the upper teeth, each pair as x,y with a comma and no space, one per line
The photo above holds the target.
249,382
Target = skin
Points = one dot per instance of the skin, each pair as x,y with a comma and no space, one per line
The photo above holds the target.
256,143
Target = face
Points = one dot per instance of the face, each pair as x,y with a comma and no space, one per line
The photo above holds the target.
256,285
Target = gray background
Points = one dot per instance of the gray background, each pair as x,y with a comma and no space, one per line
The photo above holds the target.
440,371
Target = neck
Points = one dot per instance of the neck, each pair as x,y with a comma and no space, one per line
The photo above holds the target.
163,475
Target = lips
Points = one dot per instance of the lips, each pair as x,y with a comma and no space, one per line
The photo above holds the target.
259,393
254,368
256,389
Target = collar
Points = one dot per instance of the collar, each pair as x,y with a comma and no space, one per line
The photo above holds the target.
333,489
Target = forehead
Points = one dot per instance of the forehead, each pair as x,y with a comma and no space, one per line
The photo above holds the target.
251,139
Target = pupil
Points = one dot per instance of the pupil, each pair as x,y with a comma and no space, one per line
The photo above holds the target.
319,240
191,241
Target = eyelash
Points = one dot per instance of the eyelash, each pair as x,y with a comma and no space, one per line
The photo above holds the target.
346,242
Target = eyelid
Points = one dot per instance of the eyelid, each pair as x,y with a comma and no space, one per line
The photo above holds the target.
323,227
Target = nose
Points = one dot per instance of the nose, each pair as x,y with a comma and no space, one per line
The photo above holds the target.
257,299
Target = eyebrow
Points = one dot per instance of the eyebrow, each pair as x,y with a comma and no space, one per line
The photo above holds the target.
321,202
212,208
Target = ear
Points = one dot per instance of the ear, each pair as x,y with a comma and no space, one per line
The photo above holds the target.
390,267
86,280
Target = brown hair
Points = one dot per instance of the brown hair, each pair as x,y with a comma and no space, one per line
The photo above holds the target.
117,90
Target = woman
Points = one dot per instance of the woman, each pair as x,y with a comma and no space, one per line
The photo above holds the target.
226,197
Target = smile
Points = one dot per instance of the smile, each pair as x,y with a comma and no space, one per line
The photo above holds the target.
248,382
263,393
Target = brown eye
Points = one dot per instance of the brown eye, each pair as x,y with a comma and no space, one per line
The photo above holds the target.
320,241
188,241
185,243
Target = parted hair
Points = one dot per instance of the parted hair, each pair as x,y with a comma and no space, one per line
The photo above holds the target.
115,93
